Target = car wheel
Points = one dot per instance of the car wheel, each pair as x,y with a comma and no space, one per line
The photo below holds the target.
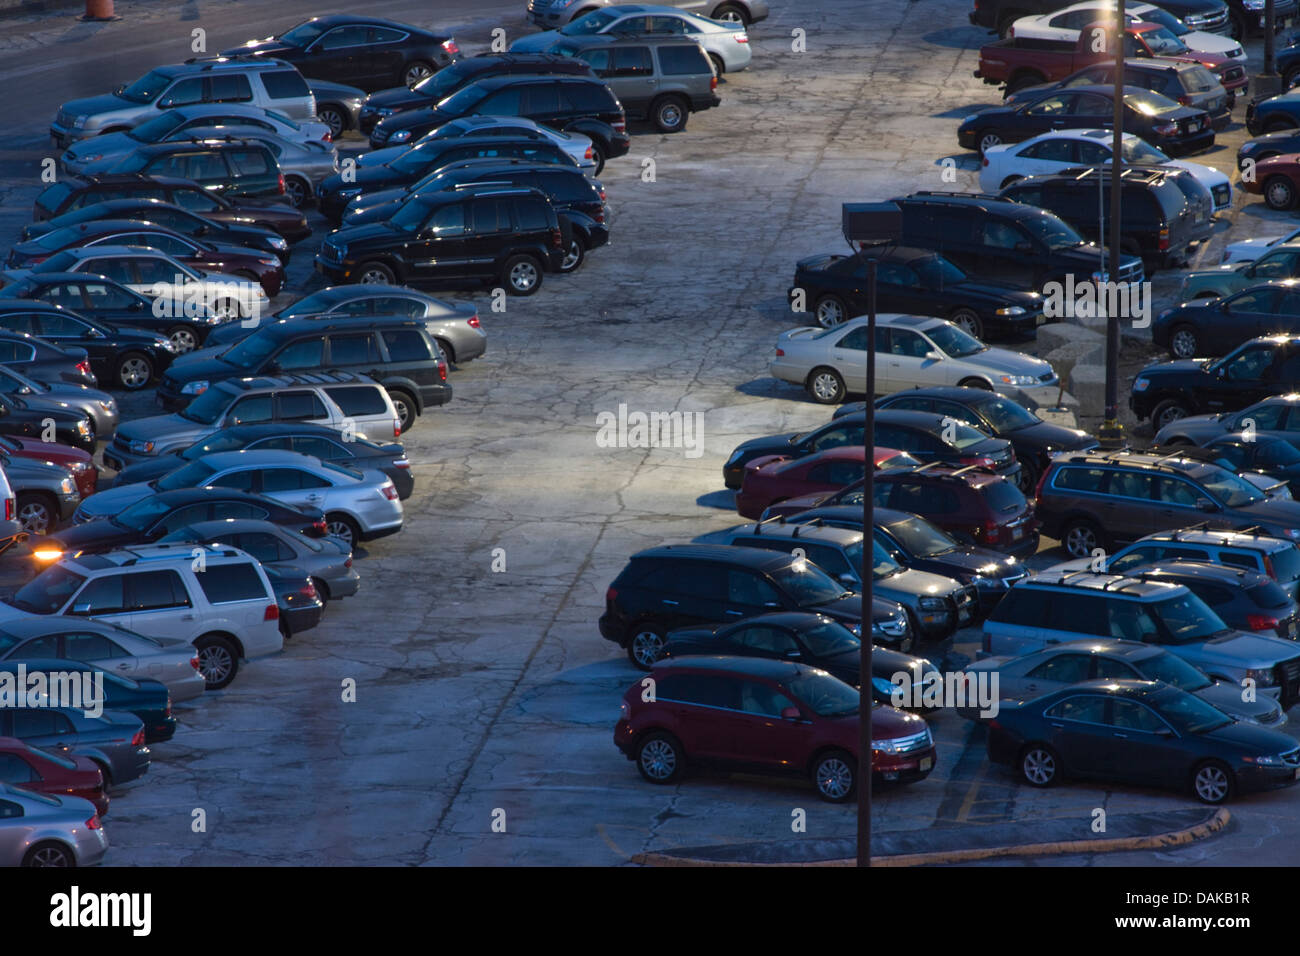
297,190
830,311
448,352
183,338
976,383
1028,480
719,67
1040,766
645,646
1009,180
1081,537
1279,193
598,154
522,275
218,660
225,310
1212,782
573,258
343,526
134,371
376,273
1184,343
968,321
416,71
405,407
36,512
1168,412
826,386
1291,80
1023,82
669,114
731,13
332,117
835,775
50,854
659,757
322,591
988,140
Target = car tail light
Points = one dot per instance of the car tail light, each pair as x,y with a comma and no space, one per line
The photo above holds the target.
194,662
557,239
327,137
713,82
442,370
1165,129
601,190
272,613
993,725
402,463
1042,480
348,562
600,217
1185,99
1261,622
1268,562
1011,31
589,154
989,532
397,428
83,367
979,461
740,37
281,186
167,711
9,510
450,47
611,595
473,321
319,528
780,353
620,124
308,591
138,739
984,161
1163,244
93,823
389,492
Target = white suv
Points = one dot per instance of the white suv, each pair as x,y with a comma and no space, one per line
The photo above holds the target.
217,598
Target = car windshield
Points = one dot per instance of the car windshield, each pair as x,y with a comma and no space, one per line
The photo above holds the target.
1163,43
824,640
920,538
1188,713
222,441
827,696
48,591
1231,490
59,262
1187,619
1137,151
147,88
249,352
883,563
207,408
410,215
141,514
1170,22
938,272
808,584
302,34
1172,669
413,160
1051,231
1004,415
460,102
156,128
58,238
589,24
193,475
1148,103
437,86
953,341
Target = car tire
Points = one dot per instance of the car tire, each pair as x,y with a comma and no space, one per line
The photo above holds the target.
1276,126
730,13
669,114
1081,536
404,404
183,338
573,258
218,660
835,776
719,66
1279,193
830,311
1028,479
1212,782
522,275
1040,765
1023,82
1009,180
332,117
50,853
343,526
988,139
448,352
598,152
976,383
826,386
297,190
415,71
645,644
37,512
1167,412
322,591
660,758
376,273
1184,343
968,321
134,371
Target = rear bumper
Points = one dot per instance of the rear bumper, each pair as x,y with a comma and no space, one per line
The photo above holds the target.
612,629
434,395
157,728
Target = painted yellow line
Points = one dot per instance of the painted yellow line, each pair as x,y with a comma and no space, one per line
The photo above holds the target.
963,814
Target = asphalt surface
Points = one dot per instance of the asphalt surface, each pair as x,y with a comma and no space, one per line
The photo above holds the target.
488,697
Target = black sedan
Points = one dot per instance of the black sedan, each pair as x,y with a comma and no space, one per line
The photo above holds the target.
1271,455
30,416
915,282
125,357
366,52
1205,327
1269,145
1160,121
96,407
150,518
144,697
812,639
301,607
1141,732
45,361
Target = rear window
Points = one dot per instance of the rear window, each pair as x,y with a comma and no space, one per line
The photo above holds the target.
1080,479
1286,563
406,345
250,162
679,60
358,400
224,583
1268,595
1198,79
1004,497
285,84
52,198
1173,196
532,215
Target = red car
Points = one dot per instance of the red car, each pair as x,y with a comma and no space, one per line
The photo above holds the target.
75,460
774,478
1277,179
53,774
770,716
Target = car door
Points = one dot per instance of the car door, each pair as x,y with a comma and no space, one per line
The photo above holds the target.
441,248
1249,375
490,229
112,303
102,599
1081,735
102,652
1058,671
338,55
303,355
703,710
66,330
354,352
910,363
748,593
1243,316
1129,506
1054,111
1176,503
1006,252
848,355
1045,156
323,448
251,410
1142,746
44,728
383,56
160,606
762,736
678,594
541,102
1071,616
294,486
631,76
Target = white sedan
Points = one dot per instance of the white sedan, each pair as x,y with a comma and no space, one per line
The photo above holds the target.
1065,26
1066,148
1248,250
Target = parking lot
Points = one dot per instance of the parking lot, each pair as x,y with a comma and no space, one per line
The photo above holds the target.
481,731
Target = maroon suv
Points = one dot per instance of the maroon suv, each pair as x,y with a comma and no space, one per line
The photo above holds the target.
769,716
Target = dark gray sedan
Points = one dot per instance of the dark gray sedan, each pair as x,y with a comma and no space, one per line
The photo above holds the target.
114,739
1278,415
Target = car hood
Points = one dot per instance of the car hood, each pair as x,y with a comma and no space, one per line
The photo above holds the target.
1250,737
919,583
143,429
379,207
1004,360
94,105
335,90
363,233
768,444
1205,175
1242,649
379,157
97,147
1285,512
92,536
536,42
197,368
1228,698
398,98
418,117
32,470
110,502
1181,367
1050,437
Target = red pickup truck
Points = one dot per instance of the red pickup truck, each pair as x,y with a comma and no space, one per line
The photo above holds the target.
1019,62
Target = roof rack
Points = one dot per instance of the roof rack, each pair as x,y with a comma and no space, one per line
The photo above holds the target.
941,194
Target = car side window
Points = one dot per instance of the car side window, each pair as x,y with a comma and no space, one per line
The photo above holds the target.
1000,235
912,404
10,810
855,338
359,400
1249,365
704,690
321,448
838,438
40,723
284,84
290,479
747,588
906,342
1024,606
229,88
1175,491
37,647
90,647
1237,559
245,480
232,509
300,405
490,216
502,102
831,560
155,591
1131,715
765,640
1077,613
631,61
1092,154
960,413
762,700
14,769
446,221
1132,484
263,546
1052,150
103,595
190,514
1129,621
1135,558
1080,479
406,345
301,356
540,99
250,162
342,37
1066,668
1082,708
1054,105
184,92
1090,104
148,269
251,409
357,349
1110,669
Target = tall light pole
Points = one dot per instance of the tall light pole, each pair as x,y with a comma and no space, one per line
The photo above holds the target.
1111,433
880,224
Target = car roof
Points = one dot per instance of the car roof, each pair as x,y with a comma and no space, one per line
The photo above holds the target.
1005,207
135,555
259,457
957,393
1254,541
613,39
1178,570
40,625
733,554
896,320
1120,687
843,537
178,145
235,526
30,305
1088,580
1128,650
284,328
771,668
1145,460
297,379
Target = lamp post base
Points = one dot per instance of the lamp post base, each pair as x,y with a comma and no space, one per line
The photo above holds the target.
1111,435
1266,84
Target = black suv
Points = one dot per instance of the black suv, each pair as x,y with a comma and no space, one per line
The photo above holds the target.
685,584
76,192
397,353
1168,391
460,74
1162,219
481,235
569,103
1000,239
229,166
125,357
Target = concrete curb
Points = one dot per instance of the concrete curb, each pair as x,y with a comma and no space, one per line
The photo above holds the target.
1171,838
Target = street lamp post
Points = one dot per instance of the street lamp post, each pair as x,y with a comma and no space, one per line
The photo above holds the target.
1111,433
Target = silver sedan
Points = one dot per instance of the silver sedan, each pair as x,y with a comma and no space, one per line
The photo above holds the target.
39,830
304,164
327,561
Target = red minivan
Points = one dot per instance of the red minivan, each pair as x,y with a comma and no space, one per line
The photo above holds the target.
52,774
771,716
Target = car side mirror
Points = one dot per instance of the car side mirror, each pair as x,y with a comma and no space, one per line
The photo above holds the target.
137,305
1024,247
81,608
848,580
1205,504
933,356
793,653
790,713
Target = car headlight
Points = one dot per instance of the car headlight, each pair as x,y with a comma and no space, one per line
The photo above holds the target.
1292,533
385,111
140,447
350,191
78,466
67,487
1012,310
980,581
883,686
83,429
857,629
268,262
1266,760
277,242
1263,676
79,122
933,603
165,344
1141,384
1017,379
401,136
197,387
899,744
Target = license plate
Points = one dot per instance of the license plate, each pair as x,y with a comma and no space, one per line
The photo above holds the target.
1292,629
1193,126
928,762
1017,534
112,462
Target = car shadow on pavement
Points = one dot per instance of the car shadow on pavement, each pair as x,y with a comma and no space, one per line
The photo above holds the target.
725,499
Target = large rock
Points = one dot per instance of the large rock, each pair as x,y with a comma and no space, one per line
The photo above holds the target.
1088,384
1056,334
1075,354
